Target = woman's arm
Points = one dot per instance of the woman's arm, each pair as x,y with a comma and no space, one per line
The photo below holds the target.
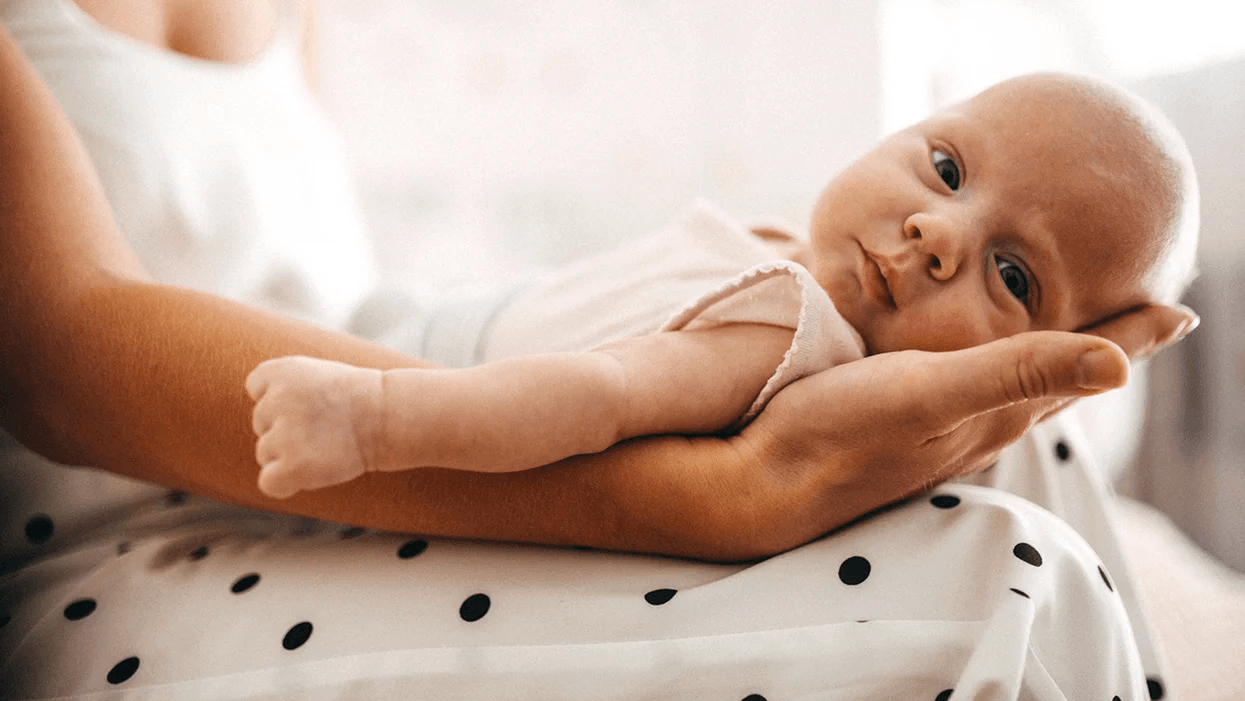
100,367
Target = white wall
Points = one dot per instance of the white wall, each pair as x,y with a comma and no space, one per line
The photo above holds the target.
1192,462
515,135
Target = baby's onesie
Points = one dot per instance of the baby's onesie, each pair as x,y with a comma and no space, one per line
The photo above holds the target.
778,293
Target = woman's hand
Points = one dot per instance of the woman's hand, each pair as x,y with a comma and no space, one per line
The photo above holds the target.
853,438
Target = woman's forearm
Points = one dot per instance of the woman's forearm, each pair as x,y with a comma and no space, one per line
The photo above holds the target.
147,381
151,387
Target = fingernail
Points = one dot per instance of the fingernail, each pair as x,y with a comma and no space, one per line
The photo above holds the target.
1188,326
1181,331
1099,369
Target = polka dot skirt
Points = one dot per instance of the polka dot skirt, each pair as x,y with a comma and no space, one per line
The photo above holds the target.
959,591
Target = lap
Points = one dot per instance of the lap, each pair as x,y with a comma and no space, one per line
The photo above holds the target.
967,588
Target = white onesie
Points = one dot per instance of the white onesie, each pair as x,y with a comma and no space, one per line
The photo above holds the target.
778,293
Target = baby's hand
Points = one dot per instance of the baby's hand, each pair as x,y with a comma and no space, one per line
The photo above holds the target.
316,420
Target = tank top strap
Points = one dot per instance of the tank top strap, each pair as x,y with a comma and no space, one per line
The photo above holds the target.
289,27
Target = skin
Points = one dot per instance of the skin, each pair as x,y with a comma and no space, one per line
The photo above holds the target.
100,366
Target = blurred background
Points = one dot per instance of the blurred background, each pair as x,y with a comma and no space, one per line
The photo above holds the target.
493,140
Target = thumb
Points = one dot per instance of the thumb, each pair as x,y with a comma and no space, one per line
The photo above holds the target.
1041,369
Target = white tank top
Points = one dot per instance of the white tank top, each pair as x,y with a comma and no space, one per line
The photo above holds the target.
225,177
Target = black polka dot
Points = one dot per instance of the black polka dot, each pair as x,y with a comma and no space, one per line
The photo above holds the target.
306,528
754,697
244,583
1062,451
411,548
1115,698
296,636
175,498
1155,687
657,597
1103,573
854,570
352,532
944,695
945,501
39,529
199,553
474,607
1020,592
123,670
123,548
80,609
1028,553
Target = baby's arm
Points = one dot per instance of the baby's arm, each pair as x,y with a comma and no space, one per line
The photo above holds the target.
322,423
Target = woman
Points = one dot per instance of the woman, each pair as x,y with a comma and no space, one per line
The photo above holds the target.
103,366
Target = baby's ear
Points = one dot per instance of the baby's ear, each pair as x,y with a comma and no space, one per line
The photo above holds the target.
774,232
1144,331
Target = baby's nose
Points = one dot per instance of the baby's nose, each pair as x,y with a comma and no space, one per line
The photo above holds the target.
928,252
937,242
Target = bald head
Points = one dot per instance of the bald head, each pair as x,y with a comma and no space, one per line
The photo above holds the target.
1170,259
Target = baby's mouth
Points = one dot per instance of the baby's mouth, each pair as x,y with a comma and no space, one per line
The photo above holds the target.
875,283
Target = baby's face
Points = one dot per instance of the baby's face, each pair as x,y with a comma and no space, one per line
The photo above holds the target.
1018,210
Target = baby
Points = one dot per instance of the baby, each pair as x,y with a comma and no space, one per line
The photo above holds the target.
1045,202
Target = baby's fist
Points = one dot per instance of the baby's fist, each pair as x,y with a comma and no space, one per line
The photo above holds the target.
316,421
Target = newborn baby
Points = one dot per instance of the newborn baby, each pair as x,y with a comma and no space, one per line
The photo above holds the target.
1047,202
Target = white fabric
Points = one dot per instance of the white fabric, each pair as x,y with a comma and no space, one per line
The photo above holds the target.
113,589
623,293
778,293
933,611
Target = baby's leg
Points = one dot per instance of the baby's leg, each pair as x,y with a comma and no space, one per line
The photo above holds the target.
317,422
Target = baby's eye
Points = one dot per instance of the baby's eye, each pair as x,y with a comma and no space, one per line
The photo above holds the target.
1014,277
947,169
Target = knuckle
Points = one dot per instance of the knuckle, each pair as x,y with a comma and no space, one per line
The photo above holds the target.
1029,380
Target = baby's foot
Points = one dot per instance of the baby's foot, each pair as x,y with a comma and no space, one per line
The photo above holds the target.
316,421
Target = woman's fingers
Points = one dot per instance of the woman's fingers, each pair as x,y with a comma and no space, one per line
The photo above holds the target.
1147,329
1032,371
1040,371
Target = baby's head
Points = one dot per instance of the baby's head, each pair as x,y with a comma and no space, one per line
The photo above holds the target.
1045,202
